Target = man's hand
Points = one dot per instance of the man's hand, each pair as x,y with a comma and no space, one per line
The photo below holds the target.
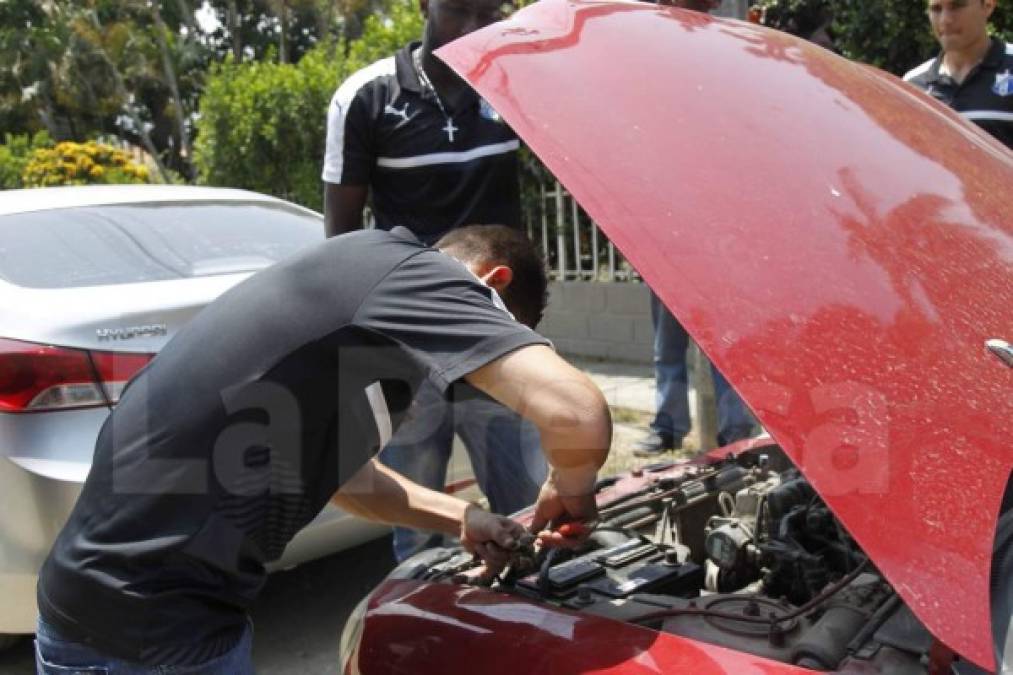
563,499
490,537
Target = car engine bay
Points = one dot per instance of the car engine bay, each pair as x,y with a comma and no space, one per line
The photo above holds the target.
740,553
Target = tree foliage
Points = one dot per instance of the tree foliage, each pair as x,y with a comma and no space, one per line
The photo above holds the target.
80,69
891,34
263,125
284,30
135,69
267,29
15,154
384,33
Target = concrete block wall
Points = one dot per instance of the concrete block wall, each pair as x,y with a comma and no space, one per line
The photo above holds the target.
600,320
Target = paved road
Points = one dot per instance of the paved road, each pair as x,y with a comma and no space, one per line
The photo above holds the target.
298,617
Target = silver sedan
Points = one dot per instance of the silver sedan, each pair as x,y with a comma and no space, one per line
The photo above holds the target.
93,282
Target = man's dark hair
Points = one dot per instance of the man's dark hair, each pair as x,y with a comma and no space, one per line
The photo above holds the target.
526,296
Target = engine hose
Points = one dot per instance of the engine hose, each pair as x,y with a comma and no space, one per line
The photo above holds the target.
772,621
624,519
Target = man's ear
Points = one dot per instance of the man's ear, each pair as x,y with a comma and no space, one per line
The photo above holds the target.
498,278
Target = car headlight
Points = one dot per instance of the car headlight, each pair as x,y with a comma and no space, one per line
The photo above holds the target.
411,568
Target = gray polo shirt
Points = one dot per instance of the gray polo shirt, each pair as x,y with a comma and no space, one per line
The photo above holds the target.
236,435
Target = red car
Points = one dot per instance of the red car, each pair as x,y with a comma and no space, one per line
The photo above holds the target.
841,246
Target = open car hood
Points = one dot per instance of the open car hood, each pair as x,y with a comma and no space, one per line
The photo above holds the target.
839,245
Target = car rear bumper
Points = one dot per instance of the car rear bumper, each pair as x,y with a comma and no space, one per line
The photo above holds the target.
19,610
44,459
33,508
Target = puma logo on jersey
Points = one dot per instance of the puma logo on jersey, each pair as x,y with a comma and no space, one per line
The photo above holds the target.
403,114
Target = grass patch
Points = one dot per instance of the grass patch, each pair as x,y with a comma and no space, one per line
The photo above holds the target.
629,426
631,416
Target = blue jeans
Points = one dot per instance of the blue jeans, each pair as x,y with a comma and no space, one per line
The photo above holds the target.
672,399
57,656
505,452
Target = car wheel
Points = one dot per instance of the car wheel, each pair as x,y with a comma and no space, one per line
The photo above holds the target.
8,641
1002,594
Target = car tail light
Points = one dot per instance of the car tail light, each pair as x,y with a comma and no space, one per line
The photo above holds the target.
36,378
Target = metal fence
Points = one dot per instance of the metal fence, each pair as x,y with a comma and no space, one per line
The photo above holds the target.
575,249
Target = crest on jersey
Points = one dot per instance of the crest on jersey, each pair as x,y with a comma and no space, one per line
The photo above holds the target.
1003,84
488,112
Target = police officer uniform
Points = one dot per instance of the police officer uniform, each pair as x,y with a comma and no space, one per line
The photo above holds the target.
985,97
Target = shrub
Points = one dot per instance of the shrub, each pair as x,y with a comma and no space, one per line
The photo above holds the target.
262,127
70,163
383,34
14,156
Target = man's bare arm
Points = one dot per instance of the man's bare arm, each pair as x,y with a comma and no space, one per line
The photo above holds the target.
343,207
571,415
380,494
569,410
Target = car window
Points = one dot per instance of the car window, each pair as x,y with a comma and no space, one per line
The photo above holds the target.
130,243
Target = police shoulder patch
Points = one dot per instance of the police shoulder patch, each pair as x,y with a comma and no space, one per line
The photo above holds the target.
1003,83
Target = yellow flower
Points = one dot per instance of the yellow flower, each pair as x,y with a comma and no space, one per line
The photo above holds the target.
70,163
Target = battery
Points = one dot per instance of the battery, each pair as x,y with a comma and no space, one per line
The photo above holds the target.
681,580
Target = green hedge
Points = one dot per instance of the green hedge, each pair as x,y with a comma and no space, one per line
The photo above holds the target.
263,125
15,154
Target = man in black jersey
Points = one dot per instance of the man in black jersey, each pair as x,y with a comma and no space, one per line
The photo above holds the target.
273,401
417,141
973,74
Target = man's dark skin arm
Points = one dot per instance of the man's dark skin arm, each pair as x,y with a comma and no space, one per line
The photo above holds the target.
343,206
